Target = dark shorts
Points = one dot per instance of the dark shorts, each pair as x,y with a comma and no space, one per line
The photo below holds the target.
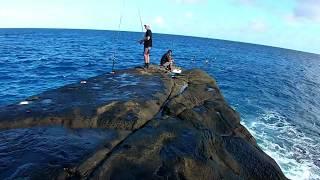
147,50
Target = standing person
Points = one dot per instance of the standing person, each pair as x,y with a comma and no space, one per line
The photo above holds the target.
147,42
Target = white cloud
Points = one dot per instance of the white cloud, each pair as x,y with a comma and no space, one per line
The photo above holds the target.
189,15
190,1
291,20
159,21
258,26
245,2
307,10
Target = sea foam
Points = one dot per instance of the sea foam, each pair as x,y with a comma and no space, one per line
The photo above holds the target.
293,150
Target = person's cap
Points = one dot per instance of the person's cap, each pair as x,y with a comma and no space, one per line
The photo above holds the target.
147,25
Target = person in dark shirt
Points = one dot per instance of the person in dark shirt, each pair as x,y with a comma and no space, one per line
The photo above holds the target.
167,61
147,42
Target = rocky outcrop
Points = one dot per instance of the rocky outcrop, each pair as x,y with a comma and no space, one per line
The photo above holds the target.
167,127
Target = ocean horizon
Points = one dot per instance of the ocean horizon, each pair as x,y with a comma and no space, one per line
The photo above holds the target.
201,37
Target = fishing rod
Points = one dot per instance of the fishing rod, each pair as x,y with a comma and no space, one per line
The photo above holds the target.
113,57
140,20
141,25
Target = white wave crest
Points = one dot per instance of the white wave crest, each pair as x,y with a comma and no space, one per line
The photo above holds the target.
294,151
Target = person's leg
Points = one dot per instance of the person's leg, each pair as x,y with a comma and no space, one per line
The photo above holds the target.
148,57
170,66
167,65
145,56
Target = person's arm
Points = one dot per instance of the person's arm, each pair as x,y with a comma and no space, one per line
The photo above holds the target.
169,58
147,38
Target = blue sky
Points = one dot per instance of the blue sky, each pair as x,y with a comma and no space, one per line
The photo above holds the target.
293,24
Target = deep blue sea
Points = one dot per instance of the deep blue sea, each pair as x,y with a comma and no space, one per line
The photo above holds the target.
276,91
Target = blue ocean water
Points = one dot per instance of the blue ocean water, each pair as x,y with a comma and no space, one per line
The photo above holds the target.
276,91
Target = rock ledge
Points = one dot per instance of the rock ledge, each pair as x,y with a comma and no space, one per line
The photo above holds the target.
167,127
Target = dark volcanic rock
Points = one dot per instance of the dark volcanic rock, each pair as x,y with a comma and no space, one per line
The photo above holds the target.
167,128
125,100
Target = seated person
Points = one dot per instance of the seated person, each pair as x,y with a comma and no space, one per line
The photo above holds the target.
167,61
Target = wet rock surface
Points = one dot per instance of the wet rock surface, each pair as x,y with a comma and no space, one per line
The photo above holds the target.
167,127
